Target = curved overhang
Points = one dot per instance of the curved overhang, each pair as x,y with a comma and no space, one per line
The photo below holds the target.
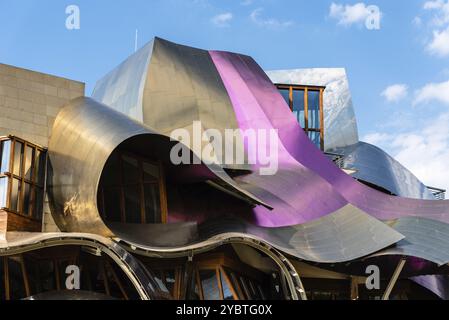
143,281
424,238
263,107
168,86
84,136
344,235
373,165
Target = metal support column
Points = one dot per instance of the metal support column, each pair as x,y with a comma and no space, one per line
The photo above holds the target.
394,279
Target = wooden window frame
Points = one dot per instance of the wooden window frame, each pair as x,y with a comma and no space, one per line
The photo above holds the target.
306,90
141,184
34,185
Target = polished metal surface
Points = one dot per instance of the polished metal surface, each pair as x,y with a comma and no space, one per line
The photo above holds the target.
340,125
438,284
424,238
122,89
169,86
143,281
338,237
373,165
85,134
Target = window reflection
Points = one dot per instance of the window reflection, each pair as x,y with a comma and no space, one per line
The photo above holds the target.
3,191
306,103
209,284
26,179
18,156
5,154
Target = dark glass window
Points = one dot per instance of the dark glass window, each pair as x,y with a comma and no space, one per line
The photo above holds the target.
130,190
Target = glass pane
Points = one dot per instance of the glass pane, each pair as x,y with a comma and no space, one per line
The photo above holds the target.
40,167
26,199
38,203
285,93
315,137
131,171
245,288
150,172
3,191
15,193
152,203
132,204
227,292
298,106
254,291
210,284
111,172
193,293
112,204
5,154
235,284
18,154
314,109
29,158
170,280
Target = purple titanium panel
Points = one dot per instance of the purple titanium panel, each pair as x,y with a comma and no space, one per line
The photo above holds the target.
292,191
258,105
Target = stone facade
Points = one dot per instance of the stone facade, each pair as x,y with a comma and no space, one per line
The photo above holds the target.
29,103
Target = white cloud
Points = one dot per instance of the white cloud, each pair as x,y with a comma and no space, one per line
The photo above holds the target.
438,92
257,18
439,45
395,93
441,9
222,20
424,150
348,15
377,138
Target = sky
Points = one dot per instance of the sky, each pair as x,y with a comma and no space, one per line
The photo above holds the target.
398,73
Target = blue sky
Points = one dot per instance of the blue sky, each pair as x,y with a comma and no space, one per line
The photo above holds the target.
410,52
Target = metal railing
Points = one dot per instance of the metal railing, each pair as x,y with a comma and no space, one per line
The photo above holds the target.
439,194
337,158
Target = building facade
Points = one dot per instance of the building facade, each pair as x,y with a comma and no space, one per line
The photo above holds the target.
89,187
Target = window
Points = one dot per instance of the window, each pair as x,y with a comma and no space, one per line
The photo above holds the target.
132,190
22,175
306,103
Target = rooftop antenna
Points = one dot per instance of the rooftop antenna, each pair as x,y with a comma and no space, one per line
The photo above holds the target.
135,43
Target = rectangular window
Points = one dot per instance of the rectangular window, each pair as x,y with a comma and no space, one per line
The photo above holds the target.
306,103
22,177
132,190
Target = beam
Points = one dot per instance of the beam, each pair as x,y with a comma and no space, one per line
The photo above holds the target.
394,279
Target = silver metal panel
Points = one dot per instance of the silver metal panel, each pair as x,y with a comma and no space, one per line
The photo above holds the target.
342,236
340,125
375,166
122,88
424,238
142,279
85,134
169,86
